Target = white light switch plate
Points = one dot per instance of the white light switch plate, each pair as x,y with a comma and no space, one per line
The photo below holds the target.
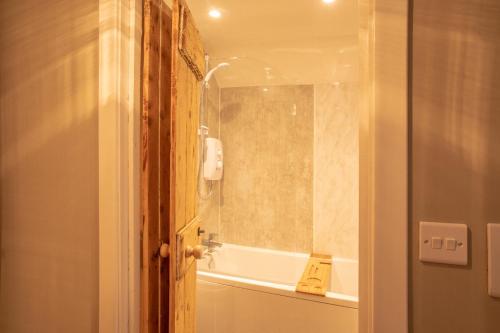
453,238
494,260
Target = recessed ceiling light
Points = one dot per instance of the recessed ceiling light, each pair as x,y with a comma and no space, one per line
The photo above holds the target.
214,13
328,1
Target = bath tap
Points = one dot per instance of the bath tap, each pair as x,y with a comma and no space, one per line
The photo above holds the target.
211,242
211,261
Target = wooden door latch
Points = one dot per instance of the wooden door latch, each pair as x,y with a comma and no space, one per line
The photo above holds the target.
164,250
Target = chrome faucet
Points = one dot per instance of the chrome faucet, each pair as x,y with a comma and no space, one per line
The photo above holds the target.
211,243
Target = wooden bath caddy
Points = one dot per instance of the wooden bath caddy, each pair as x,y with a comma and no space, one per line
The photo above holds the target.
316,277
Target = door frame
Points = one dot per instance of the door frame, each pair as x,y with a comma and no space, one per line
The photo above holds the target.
120,37
383,165
384,146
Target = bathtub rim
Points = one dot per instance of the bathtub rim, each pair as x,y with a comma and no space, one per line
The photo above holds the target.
283,290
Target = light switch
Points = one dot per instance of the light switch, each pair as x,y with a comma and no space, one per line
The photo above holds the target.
444,243
451,244
494,259
437,243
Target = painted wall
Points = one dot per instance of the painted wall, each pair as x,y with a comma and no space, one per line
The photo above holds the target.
455,160
49,166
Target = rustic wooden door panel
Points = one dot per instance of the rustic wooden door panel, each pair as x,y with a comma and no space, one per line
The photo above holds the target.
155,172
164,157
187,71
188,242
173,65
185,110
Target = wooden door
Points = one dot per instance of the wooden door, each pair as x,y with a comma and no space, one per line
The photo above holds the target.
188,68
173,67
155,172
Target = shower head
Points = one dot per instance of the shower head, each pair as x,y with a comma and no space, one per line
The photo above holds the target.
212,71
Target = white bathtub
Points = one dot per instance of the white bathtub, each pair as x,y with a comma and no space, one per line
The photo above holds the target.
251,290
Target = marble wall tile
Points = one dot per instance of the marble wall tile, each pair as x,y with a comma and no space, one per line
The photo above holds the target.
291,168
266,194
336,163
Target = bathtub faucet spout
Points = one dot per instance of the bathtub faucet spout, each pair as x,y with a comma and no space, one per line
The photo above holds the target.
211,242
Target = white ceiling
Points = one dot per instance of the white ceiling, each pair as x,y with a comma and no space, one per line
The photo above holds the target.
279,41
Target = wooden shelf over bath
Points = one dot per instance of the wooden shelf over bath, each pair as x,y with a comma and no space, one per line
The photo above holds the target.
316,277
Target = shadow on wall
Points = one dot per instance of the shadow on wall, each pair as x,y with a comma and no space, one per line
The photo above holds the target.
456,165
49,165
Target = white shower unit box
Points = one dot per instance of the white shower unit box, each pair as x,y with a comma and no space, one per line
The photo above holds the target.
214,159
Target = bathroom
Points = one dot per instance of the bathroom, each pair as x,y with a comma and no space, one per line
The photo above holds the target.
286,113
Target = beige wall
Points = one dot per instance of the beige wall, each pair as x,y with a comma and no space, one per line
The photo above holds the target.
336,159
49,166
456,160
